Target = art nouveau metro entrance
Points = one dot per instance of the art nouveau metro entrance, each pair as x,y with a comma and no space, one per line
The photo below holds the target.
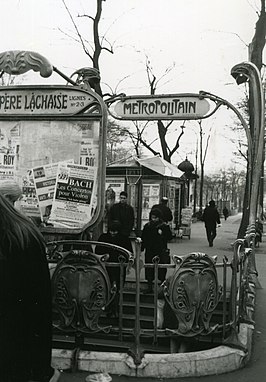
53,145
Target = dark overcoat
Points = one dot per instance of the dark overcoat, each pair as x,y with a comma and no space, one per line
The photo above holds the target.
154,242
25,314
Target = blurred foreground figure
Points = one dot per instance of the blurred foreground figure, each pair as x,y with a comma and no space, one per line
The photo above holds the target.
25,297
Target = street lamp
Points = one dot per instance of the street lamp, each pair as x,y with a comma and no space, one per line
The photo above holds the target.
255,138
249,71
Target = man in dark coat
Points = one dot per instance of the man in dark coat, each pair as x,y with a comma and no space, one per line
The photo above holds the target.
211,218
155,236
123,213
167,215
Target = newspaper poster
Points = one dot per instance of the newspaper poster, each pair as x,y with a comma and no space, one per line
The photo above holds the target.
9,150
74,192
113,187
44,180
29,202
150,197
88,153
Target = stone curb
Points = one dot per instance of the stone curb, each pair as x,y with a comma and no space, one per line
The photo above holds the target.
222,359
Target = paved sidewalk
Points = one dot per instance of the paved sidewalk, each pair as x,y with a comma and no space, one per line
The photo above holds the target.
226,234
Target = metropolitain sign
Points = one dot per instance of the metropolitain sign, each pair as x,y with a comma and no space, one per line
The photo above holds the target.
174,107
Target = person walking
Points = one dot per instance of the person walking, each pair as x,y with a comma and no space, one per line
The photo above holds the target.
124,213
155,236
167,215
211,218
225,212
25,297
114,236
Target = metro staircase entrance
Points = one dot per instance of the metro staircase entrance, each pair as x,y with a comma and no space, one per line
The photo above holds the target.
122,341
204,302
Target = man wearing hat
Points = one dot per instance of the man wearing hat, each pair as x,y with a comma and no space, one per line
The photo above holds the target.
165,210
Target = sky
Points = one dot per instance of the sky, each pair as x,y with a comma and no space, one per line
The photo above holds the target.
201,40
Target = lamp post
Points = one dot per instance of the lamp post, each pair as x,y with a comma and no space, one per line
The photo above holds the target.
255,138
187,167
243,72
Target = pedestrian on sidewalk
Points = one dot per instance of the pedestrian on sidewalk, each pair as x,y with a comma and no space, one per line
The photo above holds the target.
211,218
225,212
25,297
155,236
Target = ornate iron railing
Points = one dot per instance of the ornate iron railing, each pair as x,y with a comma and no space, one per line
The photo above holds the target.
197,287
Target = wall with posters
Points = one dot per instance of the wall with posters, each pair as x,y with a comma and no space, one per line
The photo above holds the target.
53,144
36,161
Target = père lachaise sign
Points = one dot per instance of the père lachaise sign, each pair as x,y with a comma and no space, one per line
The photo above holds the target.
43,101
177,106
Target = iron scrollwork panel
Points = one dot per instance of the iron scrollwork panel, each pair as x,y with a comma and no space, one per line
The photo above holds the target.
193,293
81,290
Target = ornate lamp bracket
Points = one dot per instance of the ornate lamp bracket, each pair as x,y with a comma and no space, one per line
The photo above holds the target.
15,62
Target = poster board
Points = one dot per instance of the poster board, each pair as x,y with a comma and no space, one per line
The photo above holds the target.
186,220
45,126
186,216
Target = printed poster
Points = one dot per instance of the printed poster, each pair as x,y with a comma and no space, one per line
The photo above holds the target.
74,193
113,187
29,201
150,196
44,180
9,151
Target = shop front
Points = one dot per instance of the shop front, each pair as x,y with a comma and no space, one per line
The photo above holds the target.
146,181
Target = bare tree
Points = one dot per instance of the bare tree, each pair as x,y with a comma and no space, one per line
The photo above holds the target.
202,154
93,51
163,127
225,185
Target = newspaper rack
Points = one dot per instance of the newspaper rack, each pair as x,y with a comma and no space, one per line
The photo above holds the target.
186,220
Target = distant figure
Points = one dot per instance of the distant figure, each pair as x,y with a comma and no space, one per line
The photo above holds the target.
211,218
123,213
165,210
225,212
155,236
114,236
25,297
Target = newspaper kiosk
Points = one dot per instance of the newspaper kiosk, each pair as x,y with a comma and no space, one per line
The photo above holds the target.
52,143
